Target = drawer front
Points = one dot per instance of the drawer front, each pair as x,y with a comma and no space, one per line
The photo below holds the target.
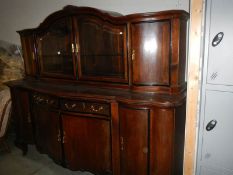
44,99
86,107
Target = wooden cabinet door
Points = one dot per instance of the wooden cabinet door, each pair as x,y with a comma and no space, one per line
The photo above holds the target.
87,143
47,132
134,141
56,50
103,49
22,118
150,52
28,49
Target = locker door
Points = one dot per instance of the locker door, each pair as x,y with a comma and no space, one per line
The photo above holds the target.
220,54
207,171
218,123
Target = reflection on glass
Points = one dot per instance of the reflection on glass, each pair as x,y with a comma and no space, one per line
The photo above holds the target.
102,49
54,48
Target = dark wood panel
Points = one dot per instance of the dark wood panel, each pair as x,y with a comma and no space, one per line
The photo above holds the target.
87,143
48,134
22,118
134,141
101,94
162,137
180,114
30,61
46,100
83,106
151,52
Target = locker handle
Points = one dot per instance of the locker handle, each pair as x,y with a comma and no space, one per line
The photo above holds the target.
211,125
217,39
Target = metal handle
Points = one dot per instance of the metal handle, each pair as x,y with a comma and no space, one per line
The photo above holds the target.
59,136
70,106
72,47
77,48
33,56
133,54
217,39
211,125
96,109
64,137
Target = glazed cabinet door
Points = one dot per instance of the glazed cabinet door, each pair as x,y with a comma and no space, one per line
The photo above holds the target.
87,143
28,49
150,42
102,49
56,50
47,132
134,141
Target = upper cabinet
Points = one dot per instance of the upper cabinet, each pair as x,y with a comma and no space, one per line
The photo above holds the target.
151,52
55,49
142,52
102,49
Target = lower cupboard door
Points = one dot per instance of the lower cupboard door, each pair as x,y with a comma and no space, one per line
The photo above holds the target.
87,144
134,141
47,132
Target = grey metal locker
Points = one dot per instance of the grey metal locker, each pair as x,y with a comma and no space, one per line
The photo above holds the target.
220,43
208,171
215,133
218,130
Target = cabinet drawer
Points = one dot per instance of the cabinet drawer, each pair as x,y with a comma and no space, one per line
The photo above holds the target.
85,107
44,99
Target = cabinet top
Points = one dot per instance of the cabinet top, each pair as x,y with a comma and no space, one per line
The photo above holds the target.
99,93
70,10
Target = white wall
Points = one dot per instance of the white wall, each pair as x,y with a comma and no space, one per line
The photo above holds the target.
21,14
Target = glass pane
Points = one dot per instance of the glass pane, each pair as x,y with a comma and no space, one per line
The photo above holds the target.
102,48
54,48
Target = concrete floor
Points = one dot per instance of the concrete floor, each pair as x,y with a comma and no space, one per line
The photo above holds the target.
34,163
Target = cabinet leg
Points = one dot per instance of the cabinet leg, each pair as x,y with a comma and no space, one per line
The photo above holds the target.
22,146
24,149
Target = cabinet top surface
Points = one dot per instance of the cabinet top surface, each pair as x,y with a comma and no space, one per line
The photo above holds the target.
70,10
100,93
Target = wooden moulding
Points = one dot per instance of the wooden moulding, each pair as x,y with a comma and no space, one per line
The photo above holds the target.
193,85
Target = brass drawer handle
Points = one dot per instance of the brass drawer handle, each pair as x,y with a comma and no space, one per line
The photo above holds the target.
70,106
38,99
96,109
51,102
